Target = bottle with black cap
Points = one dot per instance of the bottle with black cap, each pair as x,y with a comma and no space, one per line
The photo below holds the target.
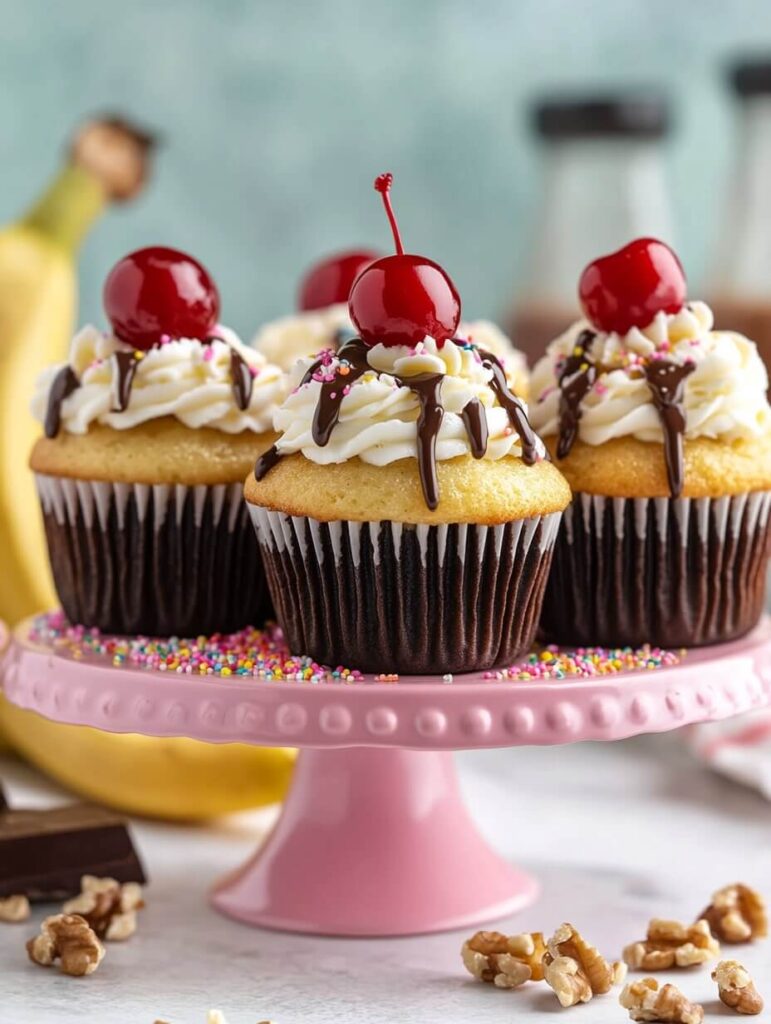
739,285
603,183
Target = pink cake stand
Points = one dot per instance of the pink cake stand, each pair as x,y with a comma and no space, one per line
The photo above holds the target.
373,838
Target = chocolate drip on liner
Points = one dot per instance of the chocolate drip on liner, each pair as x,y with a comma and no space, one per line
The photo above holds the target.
576,379
65,382
125,370
666,381
475,421
427,387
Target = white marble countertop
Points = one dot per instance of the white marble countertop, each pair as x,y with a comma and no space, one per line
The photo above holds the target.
618,833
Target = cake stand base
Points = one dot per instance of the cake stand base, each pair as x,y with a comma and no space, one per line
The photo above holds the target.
373,842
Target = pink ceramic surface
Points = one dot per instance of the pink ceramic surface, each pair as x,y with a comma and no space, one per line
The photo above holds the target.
373,838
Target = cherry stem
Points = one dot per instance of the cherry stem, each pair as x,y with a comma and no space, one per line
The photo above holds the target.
383,186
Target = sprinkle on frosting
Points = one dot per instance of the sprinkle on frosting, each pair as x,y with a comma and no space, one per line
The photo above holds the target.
263,654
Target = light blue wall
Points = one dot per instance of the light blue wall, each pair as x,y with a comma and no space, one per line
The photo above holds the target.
277,115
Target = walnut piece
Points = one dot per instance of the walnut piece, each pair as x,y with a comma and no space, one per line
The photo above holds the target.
737,914
507,961
14,909
108,907
576,970
647,1002
736,987
671,944
69,939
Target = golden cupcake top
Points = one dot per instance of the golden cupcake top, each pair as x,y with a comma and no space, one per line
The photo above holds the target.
645,364
166,355
406,386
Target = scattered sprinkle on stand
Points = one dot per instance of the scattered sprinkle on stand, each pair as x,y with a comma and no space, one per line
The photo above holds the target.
263,654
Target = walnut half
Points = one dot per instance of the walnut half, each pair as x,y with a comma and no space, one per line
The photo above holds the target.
671,944
507,961
69,939
736,987
576,970
647,1002
737,914
108,907
14,909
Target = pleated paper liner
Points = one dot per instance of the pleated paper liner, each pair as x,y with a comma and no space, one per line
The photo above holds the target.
671,572
391,597
160,560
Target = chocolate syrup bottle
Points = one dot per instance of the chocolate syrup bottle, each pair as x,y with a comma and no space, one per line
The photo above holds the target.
602,184
739,284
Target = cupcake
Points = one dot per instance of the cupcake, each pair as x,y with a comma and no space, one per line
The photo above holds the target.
662,428
150,429
406,514
323,321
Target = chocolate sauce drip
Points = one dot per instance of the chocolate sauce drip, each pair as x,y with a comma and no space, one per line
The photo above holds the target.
242,379
513,406
428,388
266,462
475,421
576,378
126,364
666,381
354,353
65,382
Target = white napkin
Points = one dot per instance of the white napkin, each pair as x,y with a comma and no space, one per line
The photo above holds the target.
738,747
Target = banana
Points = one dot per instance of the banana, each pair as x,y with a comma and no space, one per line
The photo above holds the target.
175,779
166,778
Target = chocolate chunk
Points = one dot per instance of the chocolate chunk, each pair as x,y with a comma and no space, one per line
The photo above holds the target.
44,853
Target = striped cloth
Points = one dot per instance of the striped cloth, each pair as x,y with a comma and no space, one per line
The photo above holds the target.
738,747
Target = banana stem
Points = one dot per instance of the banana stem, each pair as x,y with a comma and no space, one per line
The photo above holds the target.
68,207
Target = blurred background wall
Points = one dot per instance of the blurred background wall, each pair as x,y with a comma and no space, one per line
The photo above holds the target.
277,115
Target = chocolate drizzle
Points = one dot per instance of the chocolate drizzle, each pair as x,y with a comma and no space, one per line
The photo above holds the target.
125,370
65,382
576,378
514,408
243,382
666,381
427,387
475,421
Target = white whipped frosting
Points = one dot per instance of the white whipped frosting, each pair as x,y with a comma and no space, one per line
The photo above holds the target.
186,378
290,338
724,397
378,417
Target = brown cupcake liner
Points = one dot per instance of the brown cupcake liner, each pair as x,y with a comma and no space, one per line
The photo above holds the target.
163,560
673,572
396,598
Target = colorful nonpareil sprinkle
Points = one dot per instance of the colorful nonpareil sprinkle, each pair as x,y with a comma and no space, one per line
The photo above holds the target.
560,663
263,654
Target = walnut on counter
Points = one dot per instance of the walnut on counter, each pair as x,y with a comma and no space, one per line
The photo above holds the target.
737,914
647,1002
576,970
69,939
108,906
736,987
506,961
672,944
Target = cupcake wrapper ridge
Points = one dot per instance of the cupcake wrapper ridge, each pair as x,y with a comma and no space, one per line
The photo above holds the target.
158,559
674,572
410,599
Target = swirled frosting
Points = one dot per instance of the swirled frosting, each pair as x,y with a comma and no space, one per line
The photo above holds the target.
378,413
187,378
302,335
723,397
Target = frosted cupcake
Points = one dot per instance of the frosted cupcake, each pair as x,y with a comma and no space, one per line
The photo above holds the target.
324,322
406,513
150,429
662,428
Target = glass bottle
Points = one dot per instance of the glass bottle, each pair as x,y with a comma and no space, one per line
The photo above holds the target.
602,184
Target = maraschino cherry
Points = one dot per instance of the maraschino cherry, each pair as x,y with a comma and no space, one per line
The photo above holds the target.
628,288
398,300
158,291
329,281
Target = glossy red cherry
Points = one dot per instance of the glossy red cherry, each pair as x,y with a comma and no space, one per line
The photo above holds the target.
158,291
628,288
329,281
398,300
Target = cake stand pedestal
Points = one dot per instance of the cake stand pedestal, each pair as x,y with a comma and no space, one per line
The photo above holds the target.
373,838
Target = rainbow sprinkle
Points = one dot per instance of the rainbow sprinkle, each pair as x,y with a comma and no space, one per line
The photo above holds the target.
561,663
263,654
